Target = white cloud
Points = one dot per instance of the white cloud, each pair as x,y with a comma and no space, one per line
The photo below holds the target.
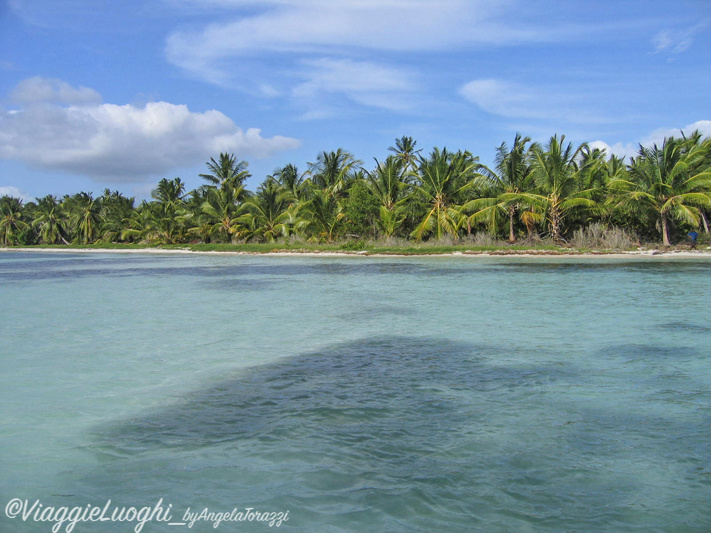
619,149
366,83
676,41
657,137
319,28
16,193
65,129
513,100
45,90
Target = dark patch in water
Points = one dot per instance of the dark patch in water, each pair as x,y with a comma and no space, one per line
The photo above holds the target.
384,382
689,327
401,434
637,352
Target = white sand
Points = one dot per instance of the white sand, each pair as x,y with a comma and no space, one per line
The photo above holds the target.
679,254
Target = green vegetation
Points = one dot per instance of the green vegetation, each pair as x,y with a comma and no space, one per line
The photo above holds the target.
536,198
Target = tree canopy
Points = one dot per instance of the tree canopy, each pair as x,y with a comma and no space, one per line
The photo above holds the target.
534,190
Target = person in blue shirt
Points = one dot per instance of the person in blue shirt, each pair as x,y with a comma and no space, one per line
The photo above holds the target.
693,236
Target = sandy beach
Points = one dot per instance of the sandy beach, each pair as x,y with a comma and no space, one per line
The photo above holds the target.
646,254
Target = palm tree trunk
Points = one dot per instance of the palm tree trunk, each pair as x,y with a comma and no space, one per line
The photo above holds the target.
555,223
512,235
665,230
705,222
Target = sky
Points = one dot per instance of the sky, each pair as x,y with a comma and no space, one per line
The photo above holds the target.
99,94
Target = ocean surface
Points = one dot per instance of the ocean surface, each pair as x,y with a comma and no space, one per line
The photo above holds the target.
452,394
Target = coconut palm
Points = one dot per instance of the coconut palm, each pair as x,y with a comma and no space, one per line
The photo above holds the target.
116,210
290,178
445,180
324,214
406,153
227,172
220,214
169,192
513,176
11,220
333,171
560,190
267,215
389,184
84,216
137,227
672,181
49,221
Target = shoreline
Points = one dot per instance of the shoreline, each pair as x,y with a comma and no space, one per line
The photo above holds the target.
680,254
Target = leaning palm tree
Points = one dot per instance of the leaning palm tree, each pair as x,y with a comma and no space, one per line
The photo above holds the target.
672,181
11,220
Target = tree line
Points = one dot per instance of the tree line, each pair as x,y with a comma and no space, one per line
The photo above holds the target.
533,191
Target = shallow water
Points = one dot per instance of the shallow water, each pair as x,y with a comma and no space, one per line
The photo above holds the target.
360,394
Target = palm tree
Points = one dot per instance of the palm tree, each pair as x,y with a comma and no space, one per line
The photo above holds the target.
289,178
84,216
227,172
325,214
220,214
405,153
11,220
169,192
267,213
116,210
445,180
138,225
50,221
512,178
672,181
332,171
388,183
559,190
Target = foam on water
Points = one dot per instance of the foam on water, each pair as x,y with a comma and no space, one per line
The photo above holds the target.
425,394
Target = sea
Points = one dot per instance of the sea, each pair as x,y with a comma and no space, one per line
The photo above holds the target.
213,392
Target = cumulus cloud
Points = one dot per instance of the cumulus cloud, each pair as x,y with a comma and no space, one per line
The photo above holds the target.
625,150
59,127
47,90
622,150
16,193
657,136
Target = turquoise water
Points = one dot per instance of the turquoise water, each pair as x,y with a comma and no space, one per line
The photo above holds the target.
359,394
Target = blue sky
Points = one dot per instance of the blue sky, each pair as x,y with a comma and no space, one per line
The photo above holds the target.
119,94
